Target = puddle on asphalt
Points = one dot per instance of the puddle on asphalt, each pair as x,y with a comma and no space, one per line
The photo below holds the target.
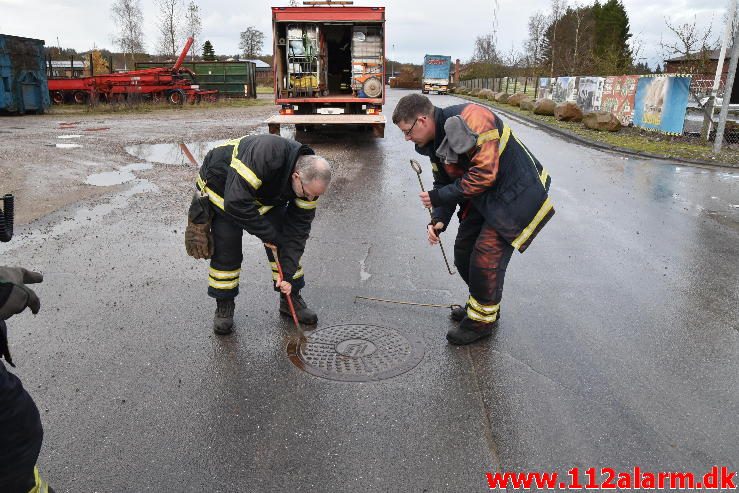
68,136
173,153
67,146
111,178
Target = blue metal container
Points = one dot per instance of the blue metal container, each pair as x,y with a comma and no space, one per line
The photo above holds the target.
23,86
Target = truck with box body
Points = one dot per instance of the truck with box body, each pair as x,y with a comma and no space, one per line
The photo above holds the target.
329,66
436,73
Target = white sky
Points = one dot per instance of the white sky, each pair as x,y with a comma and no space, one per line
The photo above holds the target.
414,27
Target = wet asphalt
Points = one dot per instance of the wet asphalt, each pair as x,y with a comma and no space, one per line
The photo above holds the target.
618,344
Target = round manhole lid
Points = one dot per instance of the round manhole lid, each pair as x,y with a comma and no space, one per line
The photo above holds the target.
356,353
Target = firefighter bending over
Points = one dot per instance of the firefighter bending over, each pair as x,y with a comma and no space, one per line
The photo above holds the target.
267,186
501,190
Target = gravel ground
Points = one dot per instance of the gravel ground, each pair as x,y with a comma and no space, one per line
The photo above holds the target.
45,178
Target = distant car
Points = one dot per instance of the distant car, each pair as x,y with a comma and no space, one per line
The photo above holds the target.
388,79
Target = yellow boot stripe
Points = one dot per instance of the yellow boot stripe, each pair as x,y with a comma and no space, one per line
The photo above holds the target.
222,284
483,309
543,211
474,315
224,274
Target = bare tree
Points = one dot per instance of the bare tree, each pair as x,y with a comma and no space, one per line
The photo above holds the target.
691,43
251,42
485,49
558,8
128,18
170,29
193,25
534,46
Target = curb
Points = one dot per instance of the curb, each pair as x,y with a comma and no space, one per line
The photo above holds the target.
598,145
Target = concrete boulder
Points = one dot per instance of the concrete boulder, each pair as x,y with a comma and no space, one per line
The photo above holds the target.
568,112
486,94
526,105
602,120
544,106
515,99
474,92
502,97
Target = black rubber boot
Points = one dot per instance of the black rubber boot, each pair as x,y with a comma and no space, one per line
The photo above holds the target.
469,331
223,321
458,313
305,314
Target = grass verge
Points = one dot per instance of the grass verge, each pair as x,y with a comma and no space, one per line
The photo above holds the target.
148,107
633,139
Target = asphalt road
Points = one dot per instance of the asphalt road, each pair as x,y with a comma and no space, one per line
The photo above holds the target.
618,344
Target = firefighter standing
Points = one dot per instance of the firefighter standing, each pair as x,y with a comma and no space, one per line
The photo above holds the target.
501,190
267,186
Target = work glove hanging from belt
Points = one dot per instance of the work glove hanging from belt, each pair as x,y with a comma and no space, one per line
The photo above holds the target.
198,236
15,296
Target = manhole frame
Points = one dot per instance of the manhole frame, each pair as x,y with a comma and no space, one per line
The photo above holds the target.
414,358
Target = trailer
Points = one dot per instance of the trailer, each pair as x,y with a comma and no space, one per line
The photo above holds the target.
23,86
436,74
329,66
173,84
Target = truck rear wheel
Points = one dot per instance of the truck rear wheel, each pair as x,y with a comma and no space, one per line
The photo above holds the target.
57,97
80,97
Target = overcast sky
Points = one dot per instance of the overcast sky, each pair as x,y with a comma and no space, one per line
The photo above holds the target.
414,27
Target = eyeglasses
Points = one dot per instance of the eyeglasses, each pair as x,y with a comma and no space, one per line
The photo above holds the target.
302,190
408,132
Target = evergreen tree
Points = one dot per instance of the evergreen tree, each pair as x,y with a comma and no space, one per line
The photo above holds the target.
209,53
612,37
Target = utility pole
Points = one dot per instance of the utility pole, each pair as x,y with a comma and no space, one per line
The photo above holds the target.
727,92
393,66
710,104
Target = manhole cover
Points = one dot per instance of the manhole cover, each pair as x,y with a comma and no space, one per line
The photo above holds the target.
356,353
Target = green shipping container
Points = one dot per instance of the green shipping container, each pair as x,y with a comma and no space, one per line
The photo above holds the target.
232,79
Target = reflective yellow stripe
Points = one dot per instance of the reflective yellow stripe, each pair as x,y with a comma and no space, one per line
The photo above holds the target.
216,199
485,309
544,176
297,274
504,139
222,284
264,209
306,204
434,168
488,136
245,172
40,486
273,265
224,274
543,211
472,314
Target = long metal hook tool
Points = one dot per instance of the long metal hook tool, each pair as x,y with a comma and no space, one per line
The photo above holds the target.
431,305
290,305
417,168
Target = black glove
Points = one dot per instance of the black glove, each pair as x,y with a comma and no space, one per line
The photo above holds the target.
14,295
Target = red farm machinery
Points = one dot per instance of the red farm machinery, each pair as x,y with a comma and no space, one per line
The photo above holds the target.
172,84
